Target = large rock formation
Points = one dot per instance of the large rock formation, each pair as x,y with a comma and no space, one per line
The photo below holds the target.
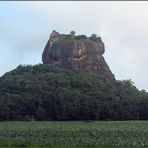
77,52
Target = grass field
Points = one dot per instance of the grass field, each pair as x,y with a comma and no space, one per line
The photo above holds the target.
71,134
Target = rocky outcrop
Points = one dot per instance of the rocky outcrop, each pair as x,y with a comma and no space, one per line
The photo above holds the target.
68,52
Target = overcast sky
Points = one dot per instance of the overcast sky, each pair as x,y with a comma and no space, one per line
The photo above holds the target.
25,28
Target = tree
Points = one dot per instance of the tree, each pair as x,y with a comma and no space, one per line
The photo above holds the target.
72,33
47,92
95,38
79,37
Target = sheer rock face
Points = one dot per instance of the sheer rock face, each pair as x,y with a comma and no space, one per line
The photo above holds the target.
81,54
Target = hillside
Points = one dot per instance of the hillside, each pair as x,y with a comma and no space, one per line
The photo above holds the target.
73,83
47,92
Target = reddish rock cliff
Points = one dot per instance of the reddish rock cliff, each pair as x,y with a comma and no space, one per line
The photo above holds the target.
71,53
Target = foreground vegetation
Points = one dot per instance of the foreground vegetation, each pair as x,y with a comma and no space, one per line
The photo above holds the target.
78,133
46,92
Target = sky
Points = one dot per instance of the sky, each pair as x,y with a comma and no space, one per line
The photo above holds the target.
123,26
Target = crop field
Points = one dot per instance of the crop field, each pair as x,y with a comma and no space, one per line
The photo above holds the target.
74,134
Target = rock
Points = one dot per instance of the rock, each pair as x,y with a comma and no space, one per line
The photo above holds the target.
68,52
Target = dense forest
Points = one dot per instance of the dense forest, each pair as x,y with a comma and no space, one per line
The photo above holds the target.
46,92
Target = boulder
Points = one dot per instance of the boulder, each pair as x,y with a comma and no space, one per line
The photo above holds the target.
69,52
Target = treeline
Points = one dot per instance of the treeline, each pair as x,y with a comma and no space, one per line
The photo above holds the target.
46,92
72,36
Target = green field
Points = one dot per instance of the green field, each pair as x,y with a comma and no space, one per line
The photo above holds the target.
71,134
